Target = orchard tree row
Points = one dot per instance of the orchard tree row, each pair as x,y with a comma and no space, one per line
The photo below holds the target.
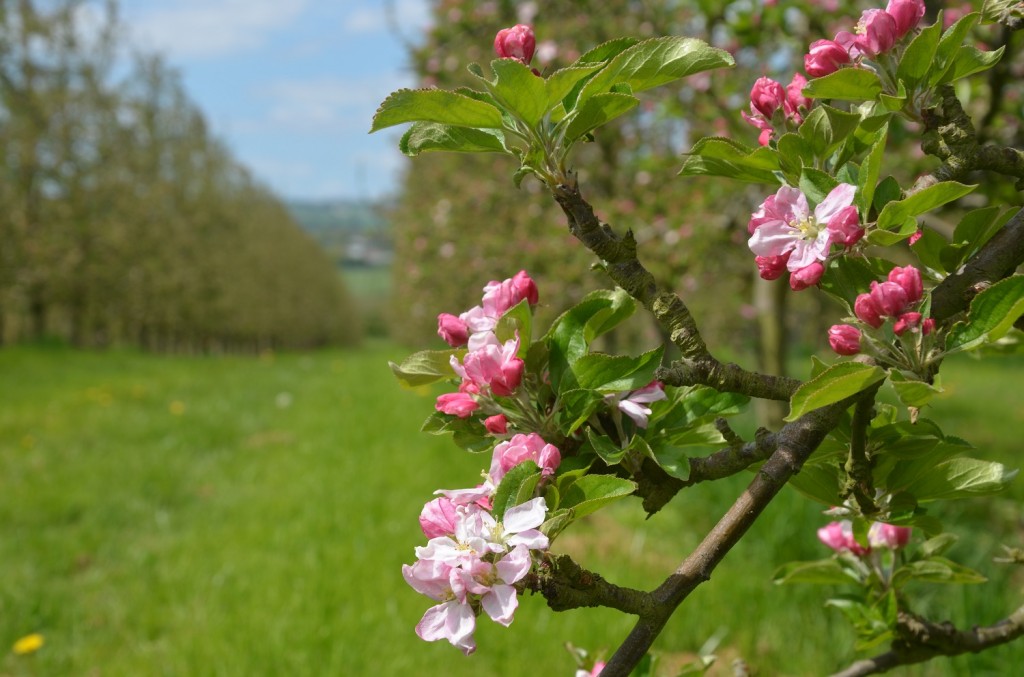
123,219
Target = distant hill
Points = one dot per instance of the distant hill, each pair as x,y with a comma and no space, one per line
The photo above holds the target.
352,232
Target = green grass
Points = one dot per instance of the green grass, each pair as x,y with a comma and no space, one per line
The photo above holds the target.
249,516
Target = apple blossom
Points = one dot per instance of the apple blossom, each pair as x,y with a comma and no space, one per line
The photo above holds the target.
906,13
632,404
793,229
496,425
825,57
456,404
890,298
867,311
875,34
839,536
808,276
453,330
517,42
882,535
500,296
438,518
795,99
909,278
771,267
530,447
844,339
492,366
766,97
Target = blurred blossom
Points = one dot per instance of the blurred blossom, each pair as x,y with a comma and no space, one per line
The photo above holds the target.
447,250
546,52
526,12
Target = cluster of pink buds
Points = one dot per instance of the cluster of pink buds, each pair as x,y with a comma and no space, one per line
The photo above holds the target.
472,561
895,298
840,538
490,368
786,236
517,43
772,105
876,33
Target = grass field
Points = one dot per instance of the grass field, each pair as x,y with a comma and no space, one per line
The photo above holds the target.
249,516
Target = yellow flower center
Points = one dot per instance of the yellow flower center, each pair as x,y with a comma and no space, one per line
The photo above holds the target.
808,227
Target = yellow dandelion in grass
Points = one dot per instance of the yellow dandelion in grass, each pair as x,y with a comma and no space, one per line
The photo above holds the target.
177,408
28,644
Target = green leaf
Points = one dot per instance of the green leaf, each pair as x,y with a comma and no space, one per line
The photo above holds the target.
607,451
937,545
616,373
715,156
912,393
592,492
936,570
425,137
846,277
819,482
426,367
471,441
563,81
992,314
953,478
886,191
556,522
605,51
847,84
577,406
819,572
968,61
795,153
897,212
673,460
516,321
929,249
435,105
598,110
523,93
971,234
919,58
870,170
656,62
816,184
836,383
516,487
570,335
826,128
949,46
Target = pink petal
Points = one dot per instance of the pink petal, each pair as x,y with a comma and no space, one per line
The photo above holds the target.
840,197
773,238
500,604
513,566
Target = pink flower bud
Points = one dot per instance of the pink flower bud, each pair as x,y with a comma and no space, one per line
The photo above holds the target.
890,298
765,137
915,237
845,227
500,296
839,537
844,339
456,404
906,13
867,310
808,276
764,214
496,425
453,330
909,278
795,99
875,33
767,96
531,447
906,322
928,326
882,535
771,267
438,518
825,57
517,42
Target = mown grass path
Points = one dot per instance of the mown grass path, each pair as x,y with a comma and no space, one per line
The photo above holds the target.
249,516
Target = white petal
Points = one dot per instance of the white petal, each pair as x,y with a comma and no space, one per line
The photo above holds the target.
773,238
840,198
500,603
513,566
529,515
531,538
459,627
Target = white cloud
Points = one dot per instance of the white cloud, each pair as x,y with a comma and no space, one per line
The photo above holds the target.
412,17
196,29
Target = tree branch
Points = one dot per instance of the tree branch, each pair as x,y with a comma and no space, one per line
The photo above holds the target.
566,585
920,640
618,255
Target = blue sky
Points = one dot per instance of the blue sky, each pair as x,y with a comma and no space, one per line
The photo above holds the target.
291,85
